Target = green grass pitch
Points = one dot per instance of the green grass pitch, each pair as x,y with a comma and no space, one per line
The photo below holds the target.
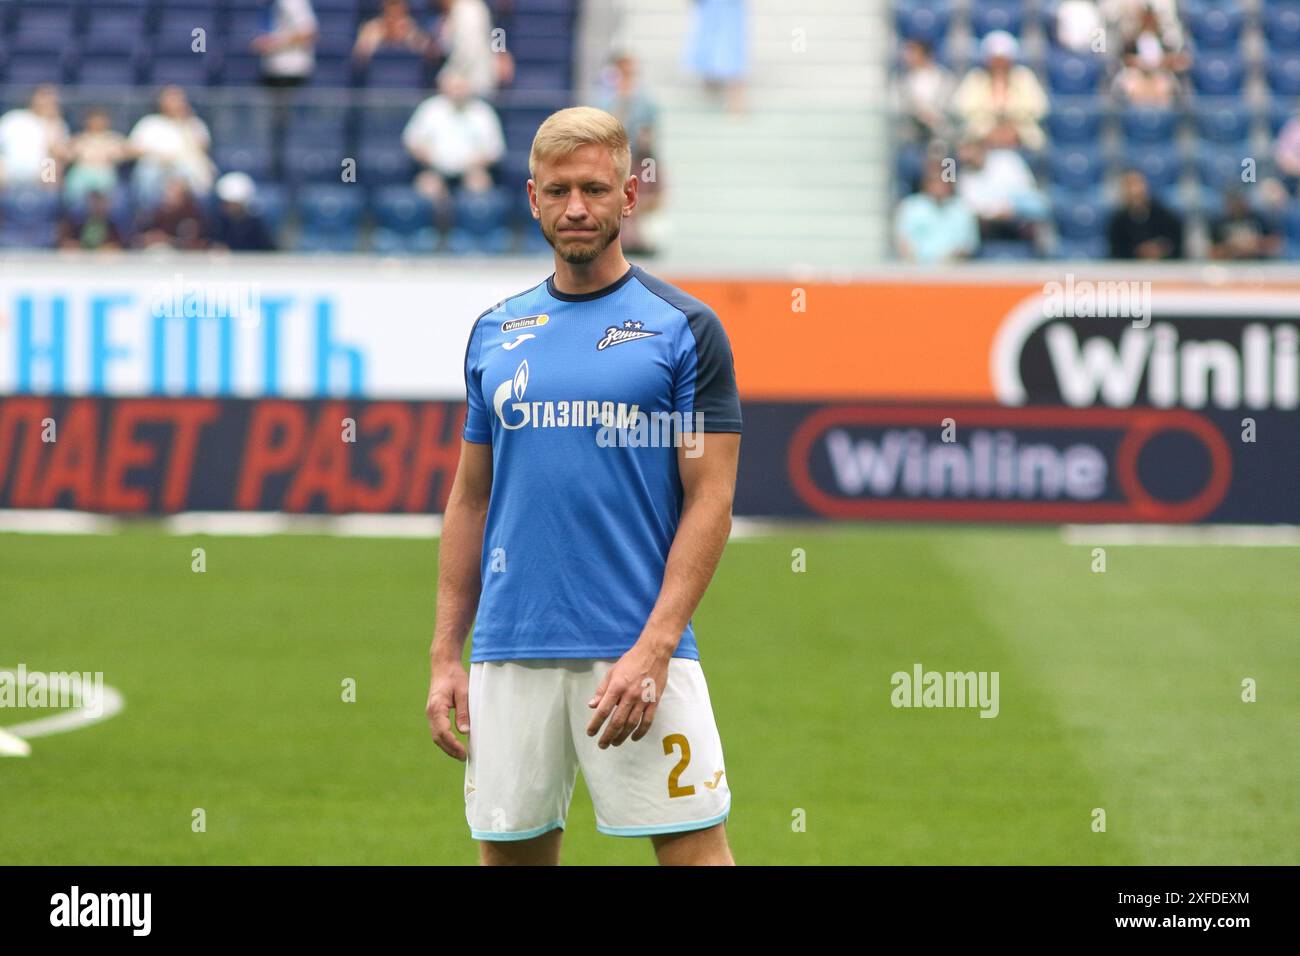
1118,690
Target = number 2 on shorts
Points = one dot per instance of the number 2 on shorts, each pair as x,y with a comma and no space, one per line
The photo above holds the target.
671,741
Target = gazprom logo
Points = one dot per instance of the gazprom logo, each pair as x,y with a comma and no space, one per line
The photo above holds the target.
518,385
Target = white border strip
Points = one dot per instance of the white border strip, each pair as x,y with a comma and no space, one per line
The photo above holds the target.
1220,535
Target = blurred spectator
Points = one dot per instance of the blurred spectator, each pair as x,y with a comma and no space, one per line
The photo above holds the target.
236,226
1286,152
171,143
92,228
1142,228
717,49
176,221
33,141
935,224
626,98
465,39
924,92
288,49
394,28
456,137
1241,233
1002,94
94,156
999,187
1079,26
1145,80
1132,17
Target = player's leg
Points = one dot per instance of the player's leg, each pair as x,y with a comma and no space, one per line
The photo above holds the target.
670,783
542,850
521,768
707,847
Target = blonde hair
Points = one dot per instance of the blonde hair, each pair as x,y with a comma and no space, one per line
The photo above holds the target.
564,131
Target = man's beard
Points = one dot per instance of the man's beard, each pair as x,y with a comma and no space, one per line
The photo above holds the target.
581,255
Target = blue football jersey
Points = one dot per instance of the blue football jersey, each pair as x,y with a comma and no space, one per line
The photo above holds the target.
583,399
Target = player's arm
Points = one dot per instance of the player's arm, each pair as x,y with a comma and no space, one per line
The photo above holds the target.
459,553
629,694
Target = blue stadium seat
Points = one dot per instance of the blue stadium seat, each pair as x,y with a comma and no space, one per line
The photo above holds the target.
1284,74
121,22
1006,250
1077,167
1073,74
910,160
480,222
403,222
395,69
28,216
314,164
1097,247
106,69
916,20
1221,73
541,76
1220,164
1282,25
1162,165
1148,125
989,15
185,69
1227,122
1079,214
1215,26
1074,121
271,204
330,218
252,158
1279,115
43,18
238,69
384,164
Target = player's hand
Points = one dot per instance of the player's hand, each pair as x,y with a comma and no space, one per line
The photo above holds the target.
448,691
629,695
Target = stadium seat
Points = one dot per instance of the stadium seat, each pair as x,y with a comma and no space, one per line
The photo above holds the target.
541,76
1219,164
314,164
331,218
1223,123
1284,74
403,222
1073,74
1077,167
1215,26
117,22
1079,214
916,20
1279,114
238,69
1281,24
1148,125
1220,73
1162,165
394,69
1006,250
384,164
271,204
252,158
989,15
185,69
1095,247
910,160
175,32
480,223
28,216
1076,121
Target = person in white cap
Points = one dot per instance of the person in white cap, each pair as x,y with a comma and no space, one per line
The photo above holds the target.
237,227
1003,98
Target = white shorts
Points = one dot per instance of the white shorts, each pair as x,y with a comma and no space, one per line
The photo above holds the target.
528,738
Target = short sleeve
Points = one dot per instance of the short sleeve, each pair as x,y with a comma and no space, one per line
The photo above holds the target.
478,428
706,376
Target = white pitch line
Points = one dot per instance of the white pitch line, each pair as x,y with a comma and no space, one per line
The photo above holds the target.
111,704
1222,535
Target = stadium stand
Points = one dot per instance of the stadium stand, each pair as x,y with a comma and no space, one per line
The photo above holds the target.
118,53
